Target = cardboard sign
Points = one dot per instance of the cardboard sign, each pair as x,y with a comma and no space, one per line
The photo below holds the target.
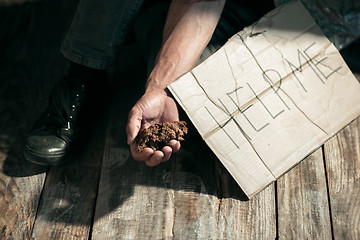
273,94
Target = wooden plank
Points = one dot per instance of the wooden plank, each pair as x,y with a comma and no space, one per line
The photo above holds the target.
303,210
68,200
210,205
21,183
239,218
195,185
19,197
342,155
133,201
30,65
196,211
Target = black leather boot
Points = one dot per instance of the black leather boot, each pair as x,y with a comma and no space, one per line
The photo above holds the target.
73,105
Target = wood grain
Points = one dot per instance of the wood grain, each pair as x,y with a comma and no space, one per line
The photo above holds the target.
239,218
68,200
196,211
194,182
133,201
303,210
19,197
342,155
21,183
30,64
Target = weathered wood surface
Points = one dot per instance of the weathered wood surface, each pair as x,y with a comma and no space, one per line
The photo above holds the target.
132,198
68,199
20,183
342,157
189,197
24,87
303,209
239,218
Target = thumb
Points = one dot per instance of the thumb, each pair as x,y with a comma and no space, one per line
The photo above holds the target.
133,126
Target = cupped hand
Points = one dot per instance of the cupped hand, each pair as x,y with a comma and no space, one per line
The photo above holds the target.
153,107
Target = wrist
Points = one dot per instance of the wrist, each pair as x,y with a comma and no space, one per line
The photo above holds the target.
159,79
154,86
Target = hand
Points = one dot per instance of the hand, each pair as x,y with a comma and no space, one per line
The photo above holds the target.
153,107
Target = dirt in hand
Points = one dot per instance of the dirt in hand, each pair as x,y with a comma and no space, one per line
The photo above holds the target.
159,135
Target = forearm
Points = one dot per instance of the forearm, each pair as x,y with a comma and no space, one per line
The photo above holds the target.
187,31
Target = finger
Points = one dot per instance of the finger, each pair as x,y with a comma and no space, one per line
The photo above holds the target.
167,153
175,145
133,125
155,159
144,155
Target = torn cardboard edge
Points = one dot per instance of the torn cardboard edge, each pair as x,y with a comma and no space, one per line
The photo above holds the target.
283,91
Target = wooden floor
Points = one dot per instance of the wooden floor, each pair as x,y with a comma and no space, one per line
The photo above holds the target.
104,194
